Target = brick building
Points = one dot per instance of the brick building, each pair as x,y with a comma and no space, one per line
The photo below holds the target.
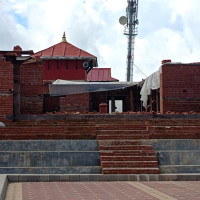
179,89
25,82
25,94
25,77
173,88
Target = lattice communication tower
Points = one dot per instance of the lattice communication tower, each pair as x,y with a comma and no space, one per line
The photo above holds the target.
130,23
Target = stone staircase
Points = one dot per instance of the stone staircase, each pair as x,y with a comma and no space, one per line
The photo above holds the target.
49,157
178,155
124,149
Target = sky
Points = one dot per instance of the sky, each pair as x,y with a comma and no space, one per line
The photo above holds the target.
168,29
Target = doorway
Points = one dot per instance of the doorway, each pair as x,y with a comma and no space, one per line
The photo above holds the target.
118,106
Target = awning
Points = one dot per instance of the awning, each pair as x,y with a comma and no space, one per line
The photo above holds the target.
62,87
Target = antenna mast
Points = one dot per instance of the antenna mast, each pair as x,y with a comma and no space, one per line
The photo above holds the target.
130,22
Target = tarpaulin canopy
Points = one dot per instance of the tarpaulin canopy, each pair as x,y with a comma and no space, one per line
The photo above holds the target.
63,87
151,83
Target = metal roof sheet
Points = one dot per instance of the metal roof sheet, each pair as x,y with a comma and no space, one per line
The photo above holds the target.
63,49
100,75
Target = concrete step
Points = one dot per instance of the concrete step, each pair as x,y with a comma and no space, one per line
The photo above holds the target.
176,144
49,145
128,158
49,159
124,136
127,153
52,170
49,156
177,169
126,147
178,156
130,171
181,157
129,164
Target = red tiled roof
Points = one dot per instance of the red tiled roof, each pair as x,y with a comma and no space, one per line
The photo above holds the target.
63,49
100,75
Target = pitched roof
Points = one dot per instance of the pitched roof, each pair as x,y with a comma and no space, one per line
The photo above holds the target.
100,75
65,50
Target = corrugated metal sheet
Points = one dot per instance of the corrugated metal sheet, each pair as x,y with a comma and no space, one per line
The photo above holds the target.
100,75
63,49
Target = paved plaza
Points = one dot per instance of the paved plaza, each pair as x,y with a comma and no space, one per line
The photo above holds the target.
104,190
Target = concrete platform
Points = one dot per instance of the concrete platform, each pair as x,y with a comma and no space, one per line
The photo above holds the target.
147,186
103,190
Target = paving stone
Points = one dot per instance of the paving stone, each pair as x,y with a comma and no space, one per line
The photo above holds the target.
84,178
34,178
122,177
172,190
108,177
13,178
167,177
74,177
153,177
54,178
143,177
23,178
44,178
94,177
133,177
64,177
186,177
197,177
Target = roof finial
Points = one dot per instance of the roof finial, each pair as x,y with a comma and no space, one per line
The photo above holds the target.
64,38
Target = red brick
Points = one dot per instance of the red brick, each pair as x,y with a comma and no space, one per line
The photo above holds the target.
179,88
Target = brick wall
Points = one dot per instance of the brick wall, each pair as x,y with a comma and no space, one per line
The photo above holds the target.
6,87
32,89
75,103
179,90
62,69
86,126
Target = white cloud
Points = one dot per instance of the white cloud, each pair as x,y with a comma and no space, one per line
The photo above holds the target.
168,29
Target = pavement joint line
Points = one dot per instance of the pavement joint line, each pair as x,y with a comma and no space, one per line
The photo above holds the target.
151,191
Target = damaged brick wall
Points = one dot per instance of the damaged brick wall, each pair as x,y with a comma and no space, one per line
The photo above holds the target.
6,88
179,90
75,103
31,85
